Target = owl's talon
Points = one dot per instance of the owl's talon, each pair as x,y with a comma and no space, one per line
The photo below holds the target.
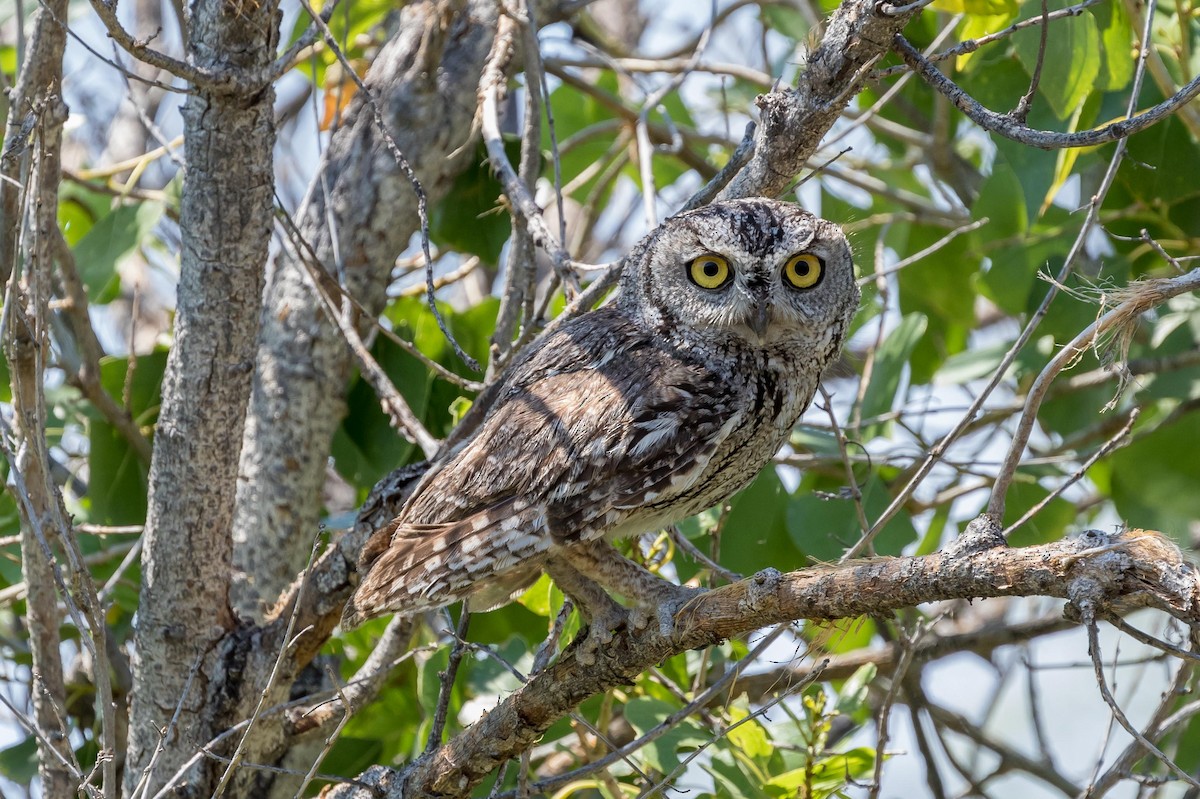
600,631
677,600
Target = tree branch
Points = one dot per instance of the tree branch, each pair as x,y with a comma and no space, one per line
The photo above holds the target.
1009,128
1136,568
793,121
225,222
427,76
1136,299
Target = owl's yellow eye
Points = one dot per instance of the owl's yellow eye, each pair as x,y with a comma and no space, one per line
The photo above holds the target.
803,271
709,271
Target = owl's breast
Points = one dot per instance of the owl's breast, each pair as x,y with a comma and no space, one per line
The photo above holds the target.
767,392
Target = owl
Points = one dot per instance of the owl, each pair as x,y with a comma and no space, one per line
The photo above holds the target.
661,403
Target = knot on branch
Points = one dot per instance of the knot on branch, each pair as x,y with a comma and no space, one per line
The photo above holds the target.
984,532
760,591
1135,568
778,110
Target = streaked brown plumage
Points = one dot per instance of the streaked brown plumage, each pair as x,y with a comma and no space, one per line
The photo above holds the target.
662,403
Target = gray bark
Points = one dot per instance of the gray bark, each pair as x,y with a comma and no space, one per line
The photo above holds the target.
225,221
25,345
793,121
425,81
41,514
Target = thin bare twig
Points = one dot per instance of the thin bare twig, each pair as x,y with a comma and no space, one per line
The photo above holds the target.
908,647
438,725
330,739
285,644
971,45
492,88
1089,620
936,453
1142,296
393,403
661,729
1009,128
401,161
1110,445
1021,112
145,782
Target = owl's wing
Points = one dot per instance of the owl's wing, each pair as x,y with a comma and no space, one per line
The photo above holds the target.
597,426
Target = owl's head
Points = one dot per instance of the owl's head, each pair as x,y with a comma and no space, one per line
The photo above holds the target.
763,270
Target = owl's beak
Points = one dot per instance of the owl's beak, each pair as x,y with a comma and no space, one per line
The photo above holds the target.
761,319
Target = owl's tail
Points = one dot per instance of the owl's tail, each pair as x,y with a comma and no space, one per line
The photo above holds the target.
411,568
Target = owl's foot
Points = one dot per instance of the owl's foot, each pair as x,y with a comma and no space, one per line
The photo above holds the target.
600,611
655,599
663,605
601,626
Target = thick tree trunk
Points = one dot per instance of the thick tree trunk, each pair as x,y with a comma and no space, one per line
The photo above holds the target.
225,220
425,81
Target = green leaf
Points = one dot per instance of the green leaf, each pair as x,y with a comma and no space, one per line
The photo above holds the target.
758,523
429,685
986,9
853,696
542,598
1034,170
749,735
978,25
890,360
353,754
5,379
470,219
935,287
828,775
8,60
1050,523
114,237
575,113
1082,117
1154,479
1187,753
732,780
1072,58
825,526
788,21
349,24
1002,201
118,483
971,365
933,534
19,762
1147,172
487,676
366,447
663,754
839,770
1116,34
